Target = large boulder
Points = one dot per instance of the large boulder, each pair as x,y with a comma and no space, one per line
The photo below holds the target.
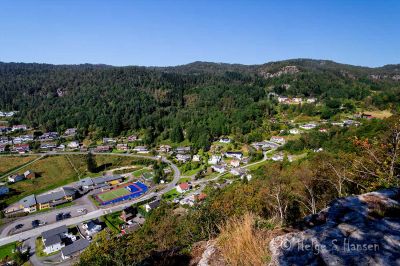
356,230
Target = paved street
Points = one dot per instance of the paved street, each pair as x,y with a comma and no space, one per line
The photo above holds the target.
78,217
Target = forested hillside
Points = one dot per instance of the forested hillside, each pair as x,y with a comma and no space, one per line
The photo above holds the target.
204,100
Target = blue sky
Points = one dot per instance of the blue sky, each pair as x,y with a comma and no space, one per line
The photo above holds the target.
178,32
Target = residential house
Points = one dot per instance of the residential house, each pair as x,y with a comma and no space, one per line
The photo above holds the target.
277,157
91,227
215,159
165,148
181,188
196,158
294,131
2,148
48,146
323,130
73,145
70,132
308,126
282,99
235,163
200,197
154,204
277,139
141,149
74,249
104,148
225,140
182,150
132,138
109,141
339,124
29,174
238,171
183,157
234,154
49,136
52,239
311,100
21,148
4,129
4,190
128,213
218,168
19,127
122,147
15,178
297,100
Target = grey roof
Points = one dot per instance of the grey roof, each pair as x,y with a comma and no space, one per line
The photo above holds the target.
57,195
76,246
154,204
51,240
28,201
104,179
55,231
50,197
86,182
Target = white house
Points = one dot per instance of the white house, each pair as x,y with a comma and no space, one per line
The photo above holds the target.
308,126
181,188
277,139
15,178
234,154
235,163
215,159
196,158
311,100
91,228
141,149
218,168
277,157
73,145
297,100
52,239
294,131
183,158
225,140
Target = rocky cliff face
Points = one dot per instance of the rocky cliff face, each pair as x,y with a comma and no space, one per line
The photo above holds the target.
356,230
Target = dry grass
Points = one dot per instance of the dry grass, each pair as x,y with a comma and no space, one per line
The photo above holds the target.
241,243
381,114
8,163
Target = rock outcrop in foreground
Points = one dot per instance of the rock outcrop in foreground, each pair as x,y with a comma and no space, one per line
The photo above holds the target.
356,230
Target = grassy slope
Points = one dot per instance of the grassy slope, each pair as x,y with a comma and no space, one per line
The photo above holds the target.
7,163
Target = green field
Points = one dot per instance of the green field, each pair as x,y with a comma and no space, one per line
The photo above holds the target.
138,173
113,194
7,250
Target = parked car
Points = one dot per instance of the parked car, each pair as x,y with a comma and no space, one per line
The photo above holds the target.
67,215
19,226
35,223
59,216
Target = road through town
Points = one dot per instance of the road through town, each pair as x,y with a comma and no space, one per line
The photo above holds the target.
5,238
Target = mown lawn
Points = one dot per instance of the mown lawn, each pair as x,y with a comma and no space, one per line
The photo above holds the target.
7,250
